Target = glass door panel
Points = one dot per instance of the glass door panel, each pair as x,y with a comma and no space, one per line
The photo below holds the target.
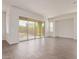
37,34
23,30
31,30
42,29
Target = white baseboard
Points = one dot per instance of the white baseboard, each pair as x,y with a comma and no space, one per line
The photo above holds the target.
66,37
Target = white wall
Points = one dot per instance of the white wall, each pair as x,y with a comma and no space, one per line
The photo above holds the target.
75,26
13,16
65,26
3,25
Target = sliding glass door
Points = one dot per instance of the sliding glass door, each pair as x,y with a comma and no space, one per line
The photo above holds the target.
31,29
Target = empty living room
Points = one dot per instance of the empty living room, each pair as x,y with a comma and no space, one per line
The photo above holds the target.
39,29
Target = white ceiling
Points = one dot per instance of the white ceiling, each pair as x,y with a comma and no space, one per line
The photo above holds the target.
49,8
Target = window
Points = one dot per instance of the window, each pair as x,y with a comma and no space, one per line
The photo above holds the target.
22,23
51,26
